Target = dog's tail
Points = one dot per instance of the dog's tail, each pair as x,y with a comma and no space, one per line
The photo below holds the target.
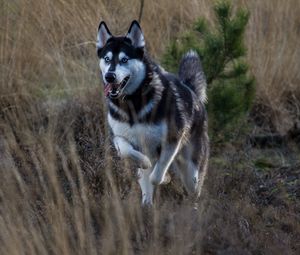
191,73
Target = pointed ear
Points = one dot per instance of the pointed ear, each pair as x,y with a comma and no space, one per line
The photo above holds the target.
135,34
103,35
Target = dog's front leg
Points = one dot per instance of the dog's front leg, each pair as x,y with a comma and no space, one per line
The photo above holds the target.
126,150
167,155
146,186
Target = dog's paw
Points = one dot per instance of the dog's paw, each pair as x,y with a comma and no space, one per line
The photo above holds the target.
158,180
166,179
145,163
155,178
141,160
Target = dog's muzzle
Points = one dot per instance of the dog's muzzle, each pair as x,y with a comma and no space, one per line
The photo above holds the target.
113,90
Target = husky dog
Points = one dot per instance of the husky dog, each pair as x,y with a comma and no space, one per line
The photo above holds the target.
158,119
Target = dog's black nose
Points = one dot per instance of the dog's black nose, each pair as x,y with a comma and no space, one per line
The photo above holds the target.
110,77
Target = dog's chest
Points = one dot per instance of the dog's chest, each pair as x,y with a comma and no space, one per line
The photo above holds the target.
146,137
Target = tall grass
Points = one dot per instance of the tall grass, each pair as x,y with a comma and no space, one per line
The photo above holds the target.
47,47
62,189
274,54
61,192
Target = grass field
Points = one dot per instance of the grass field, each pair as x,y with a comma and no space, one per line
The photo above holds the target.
62,188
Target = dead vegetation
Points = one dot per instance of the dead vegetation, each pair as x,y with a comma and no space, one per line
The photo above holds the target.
64,191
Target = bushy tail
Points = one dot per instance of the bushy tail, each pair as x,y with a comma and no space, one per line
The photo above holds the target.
191,73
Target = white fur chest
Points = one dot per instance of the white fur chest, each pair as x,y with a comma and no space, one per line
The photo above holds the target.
145,136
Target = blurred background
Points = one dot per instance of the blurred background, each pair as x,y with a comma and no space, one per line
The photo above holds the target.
49,46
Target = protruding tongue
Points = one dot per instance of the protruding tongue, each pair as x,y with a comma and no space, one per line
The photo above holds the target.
107,89
110,87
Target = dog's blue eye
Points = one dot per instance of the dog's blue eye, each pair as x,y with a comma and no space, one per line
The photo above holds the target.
124,60
106,59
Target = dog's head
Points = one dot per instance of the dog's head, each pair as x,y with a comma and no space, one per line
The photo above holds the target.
121,60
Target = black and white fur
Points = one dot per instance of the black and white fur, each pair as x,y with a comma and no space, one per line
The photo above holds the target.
157,119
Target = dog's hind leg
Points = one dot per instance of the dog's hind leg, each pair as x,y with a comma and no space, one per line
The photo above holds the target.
146,186
192,177
192,166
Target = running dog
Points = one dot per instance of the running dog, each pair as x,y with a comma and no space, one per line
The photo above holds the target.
158,119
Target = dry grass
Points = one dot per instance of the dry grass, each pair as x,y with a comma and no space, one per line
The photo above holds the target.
63,190
274,53
47,47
